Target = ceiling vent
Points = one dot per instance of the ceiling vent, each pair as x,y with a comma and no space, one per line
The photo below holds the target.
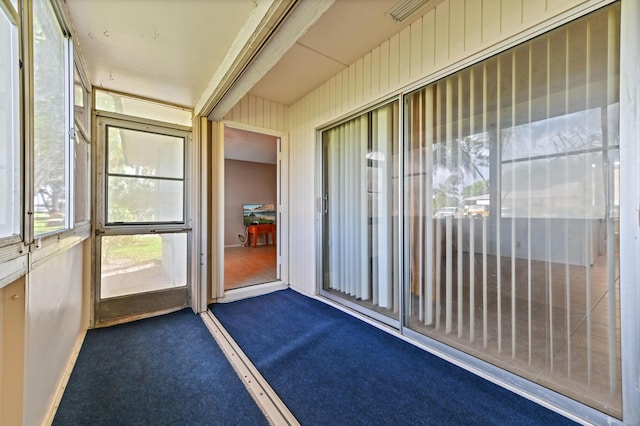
405,8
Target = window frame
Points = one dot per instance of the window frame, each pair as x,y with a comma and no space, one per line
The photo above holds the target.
9,240
68,60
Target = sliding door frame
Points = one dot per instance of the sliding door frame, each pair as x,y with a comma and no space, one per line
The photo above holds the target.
629,203
321,206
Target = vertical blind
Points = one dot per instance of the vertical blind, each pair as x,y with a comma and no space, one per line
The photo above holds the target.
360,190
511,210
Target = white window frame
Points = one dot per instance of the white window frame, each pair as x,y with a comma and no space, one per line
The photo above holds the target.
68,123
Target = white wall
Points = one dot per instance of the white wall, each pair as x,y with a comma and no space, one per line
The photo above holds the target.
454,34
54,327
245,182
260,113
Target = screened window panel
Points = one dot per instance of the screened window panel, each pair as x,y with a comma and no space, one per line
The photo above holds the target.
141,200
9,130
136,153
132,264
51,124
512,196
81,104
360,185
142,108
145,177
82,181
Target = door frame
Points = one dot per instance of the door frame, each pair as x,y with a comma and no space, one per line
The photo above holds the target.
146,304
217,292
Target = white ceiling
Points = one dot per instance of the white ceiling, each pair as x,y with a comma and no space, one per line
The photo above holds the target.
169,49
160,49
244,145
344,33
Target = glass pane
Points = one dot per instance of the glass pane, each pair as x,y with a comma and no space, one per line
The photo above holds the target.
142,263
9,133
123,104
81,108
50,121
512,196
136,153
82,159
133,199
360,175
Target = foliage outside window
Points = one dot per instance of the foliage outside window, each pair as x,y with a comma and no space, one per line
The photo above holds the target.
145,177
51,121
9,132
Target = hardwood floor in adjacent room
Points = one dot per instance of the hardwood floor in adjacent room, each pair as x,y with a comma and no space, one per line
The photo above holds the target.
245,266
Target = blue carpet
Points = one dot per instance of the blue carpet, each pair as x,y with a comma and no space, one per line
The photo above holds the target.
332,369
166,370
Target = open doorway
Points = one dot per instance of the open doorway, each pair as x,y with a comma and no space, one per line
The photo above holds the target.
250,208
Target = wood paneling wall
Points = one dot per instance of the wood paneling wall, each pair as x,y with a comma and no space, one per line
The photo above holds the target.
451,35
259,112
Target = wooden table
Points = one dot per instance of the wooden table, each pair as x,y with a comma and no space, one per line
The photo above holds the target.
264,228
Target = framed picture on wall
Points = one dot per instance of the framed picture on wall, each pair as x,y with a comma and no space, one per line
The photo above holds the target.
255,214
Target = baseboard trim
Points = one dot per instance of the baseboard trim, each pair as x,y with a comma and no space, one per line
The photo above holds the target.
64,379
250,291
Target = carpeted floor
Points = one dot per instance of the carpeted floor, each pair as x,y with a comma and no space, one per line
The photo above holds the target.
330,368
165,370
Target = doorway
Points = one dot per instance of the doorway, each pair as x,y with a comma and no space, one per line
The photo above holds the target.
142,235
252,214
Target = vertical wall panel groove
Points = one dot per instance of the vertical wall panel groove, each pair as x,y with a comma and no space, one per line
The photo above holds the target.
473,25
511,15
442,35
359,78
375,72
405,56
457,31
491,19
394,61
428,42
384,67
366,76
352,86
416,49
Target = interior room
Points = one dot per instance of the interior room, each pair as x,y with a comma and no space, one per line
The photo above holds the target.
250,188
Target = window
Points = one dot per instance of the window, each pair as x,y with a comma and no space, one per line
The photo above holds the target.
9,129
512,210
51,83
81,104
145,177
142,108
82,149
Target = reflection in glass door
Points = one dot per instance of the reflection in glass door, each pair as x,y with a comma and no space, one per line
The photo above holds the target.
142,235
512,176
360,181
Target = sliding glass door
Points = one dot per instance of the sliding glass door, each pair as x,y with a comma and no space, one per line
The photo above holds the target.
360,223
512,196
